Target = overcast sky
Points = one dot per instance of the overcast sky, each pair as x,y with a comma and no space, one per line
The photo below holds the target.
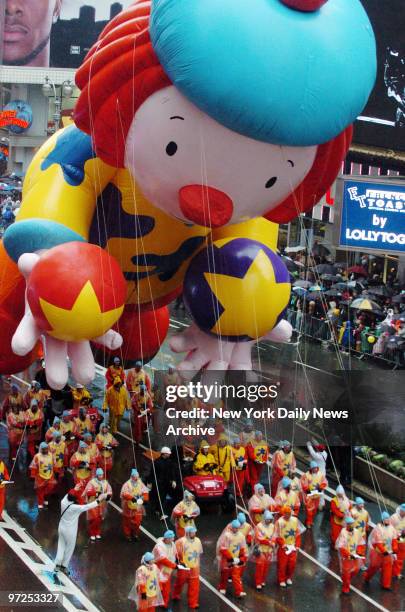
70,8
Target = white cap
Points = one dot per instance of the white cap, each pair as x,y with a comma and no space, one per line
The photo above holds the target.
79,386
165,450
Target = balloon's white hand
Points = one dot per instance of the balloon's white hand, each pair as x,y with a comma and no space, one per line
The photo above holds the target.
211,353
57,351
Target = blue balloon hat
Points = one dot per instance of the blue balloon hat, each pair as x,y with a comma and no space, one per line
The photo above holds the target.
265,70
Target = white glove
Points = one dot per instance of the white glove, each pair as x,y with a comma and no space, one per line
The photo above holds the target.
139,501
57,351
102,496
174,484
236,561
211,353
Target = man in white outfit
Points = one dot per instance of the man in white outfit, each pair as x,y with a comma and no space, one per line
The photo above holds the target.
68,525
320,456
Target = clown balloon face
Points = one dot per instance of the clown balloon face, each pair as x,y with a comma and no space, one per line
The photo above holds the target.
201,172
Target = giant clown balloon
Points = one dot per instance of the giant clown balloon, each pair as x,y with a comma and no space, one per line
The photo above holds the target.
200,126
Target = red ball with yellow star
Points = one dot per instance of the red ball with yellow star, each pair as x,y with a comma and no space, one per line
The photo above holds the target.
76,292
237,289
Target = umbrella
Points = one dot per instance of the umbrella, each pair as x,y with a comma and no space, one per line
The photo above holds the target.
399,317
339,286
364,303
340,265
330,277
292,266
320,249
344,303
315,295
299,290
383,291
302,283
397,299
357,270
325,269
332,293
316,288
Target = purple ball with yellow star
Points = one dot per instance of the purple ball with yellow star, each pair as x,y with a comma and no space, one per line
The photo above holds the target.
237,289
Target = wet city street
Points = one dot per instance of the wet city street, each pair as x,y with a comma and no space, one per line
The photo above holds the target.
103,572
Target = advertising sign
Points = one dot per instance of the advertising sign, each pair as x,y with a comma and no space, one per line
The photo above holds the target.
56,33
382,123
16,116
373,216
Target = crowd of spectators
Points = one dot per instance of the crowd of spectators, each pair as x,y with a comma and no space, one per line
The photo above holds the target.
349,306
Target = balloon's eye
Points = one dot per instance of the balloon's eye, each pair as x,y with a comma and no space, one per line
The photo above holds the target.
171,148
271,182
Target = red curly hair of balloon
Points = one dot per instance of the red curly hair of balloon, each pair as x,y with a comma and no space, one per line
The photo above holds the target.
122,70
119,73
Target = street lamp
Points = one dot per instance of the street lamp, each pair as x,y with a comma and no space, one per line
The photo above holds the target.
49,90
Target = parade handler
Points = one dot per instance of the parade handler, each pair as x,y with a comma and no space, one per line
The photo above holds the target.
71,510
146,591
288,537
232,556
95,516
350,545
133,495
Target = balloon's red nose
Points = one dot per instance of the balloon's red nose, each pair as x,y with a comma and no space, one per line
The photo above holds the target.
205,205
306,6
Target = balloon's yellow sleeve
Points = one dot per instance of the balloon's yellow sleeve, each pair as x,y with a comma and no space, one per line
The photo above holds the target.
60,194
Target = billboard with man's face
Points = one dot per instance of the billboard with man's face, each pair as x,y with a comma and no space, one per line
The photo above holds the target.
56,33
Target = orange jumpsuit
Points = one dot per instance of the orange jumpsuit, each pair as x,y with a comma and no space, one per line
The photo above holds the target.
383,543
165,558
10,401
398,522
15,428
114,372
105,444
183,515
34,422
282,464
189,552
139,404
289,498
42,470
80,464
310,484
263,551
258,454
81,426
361,521
95,516
4,475
232,546
287,533
147,589
67,431
59,457
132,512
258,504
136,379
349,544
339,508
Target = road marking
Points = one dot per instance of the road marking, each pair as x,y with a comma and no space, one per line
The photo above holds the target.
44,565
203,580
306,365
329,571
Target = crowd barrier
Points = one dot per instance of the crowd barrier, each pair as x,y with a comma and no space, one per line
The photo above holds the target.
320,330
